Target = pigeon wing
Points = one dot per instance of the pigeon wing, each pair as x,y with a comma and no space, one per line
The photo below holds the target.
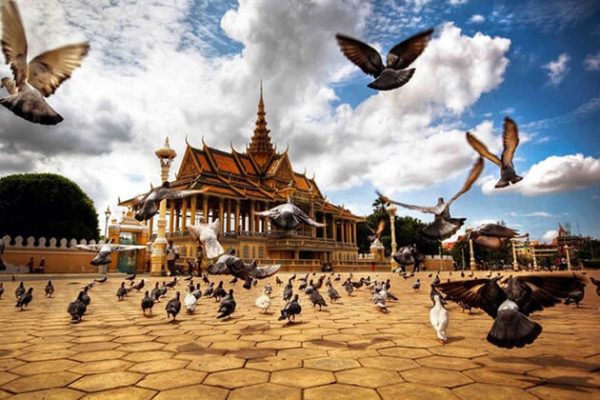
480,293
174,194
127,247
430,210
473,175
266,271
482,149
547,290
361,54
595,282
271,213
213,248
408,51
510,139
14,41
90,247
50,69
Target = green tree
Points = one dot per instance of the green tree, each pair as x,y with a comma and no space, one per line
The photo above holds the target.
46,205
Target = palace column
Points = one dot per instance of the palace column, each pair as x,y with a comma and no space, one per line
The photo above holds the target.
236,226
324,222
334,227
171,217
205,208
354,233
150,225
343,231
193,205
228,217
177,219
313,230
184,215
221,211
251,216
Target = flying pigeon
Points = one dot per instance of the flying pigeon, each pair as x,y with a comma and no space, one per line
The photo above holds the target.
227,306
438,316
493,235
444,225
207,234
395,73
594,281
147,303
290,310
408,255
510,139
101,280
77,308
40,77
146,205
511,305
228,263
576,295
104,251
374,235
288,216
173,307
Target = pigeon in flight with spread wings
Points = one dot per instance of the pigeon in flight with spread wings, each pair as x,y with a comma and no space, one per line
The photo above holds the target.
230,264
493,235
402,55
510,139
511,305
374,235
146,205
207,234
444,225
288,216
40,77
105,249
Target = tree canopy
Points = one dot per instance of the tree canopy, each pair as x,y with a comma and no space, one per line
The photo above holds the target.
46,205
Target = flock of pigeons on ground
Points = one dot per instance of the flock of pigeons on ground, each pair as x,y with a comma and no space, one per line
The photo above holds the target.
509,304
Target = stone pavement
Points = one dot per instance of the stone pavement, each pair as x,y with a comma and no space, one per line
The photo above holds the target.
347,351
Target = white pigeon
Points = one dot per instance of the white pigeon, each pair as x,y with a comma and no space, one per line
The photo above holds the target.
438,316
379,300
190,302
263,301
207,235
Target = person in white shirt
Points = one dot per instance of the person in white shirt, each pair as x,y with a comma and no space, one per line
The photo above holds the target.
172,254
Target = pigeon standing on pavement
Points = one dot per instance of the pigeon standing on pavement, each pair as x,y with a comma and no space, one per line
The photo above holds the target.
396,72
438,316
227,306
190,301
139,286
121,292
290,310
208,292
25,299
288,291
173,307
417,285
147,304
85,297
576,295
317,299
332,293
263,301
49,289
77,308
219,292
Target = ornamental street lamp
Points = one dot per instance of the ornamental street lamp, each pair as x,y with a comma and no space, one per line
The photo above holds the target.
472,265
165,156
391,210
107,215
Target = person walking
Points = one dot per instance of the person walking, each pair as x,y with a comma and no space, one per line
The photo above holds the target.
30,265
172,254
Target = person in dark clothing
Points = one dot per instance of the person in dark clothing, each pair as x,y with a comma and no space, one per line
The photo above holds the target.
30,265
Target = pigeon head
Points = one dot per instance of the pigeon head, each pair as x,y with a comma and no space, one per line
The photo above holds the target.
148,210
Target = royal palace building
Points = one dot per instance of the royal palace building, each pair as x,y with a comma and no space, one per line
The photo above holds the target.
236,185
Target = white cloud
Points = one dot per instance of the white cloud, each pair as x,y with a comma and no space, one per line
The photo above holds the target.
554,174
477,19
539,214
550,235
592,62
150,75
558,69
457,2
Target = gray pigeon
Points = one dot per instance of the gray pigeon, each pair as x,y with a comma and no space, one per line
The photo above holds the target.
492,236
230,264
77,308
227,306
147,303
400,57
288,216
510,139
40,77
173,307
146,206
290,310
121,292
20,291
25,299
49,289
443,225
317,299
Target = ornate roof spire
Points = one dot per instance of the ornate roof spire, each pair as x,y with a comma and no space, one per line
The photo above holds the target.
261,146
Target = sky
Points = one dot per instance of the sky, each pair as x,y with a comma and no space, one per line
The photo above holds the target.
183,68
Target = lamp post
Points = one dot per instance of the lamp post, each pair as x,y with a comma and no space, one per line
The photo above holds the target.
165,156
569,267
107,215
514,254
391,210
472,265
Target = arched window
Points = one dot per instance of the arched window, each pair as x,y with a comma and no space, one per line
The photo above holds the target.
246,251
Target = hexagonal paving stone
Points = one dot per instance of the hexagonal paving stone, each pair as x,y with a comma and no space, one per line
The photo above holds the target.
172,379
6,377
40,381
340,392
266,391
412,391
567,376
436,377
213,363
193,393
404,352
488,375
250,354
148,356
237,378
389,363
46,355
457,364
279,344
302,377
487,391
150,367
82,348
97,355
369,377
108,380
41,367
95,367
128,393
331,364
274,363
142,346
559,392
302,353
459,352
50,394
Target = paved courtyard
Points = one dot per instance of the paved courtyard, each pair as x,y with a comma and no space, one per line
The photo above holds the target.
347,351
